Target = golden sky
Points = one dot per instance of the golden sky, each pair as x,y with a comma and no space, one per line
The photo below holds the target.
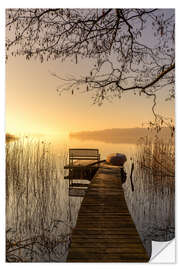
34,106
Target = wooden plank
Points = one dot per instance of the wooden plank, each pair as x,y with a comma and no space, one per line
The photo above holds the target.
118,246
78,185
93,241
108,260
105,236
74,192
101,245
105,231
108,250
81,179
81,172
101,256
76,166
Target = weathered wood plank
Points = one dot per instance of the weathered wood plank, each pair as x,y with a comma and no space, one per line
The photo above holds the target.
106,244
105,231
78,185
105,236
107,260
114,241
117,251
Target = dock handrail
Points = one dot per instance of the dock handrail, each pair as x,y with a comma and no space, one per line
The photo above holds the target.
84,153
79,159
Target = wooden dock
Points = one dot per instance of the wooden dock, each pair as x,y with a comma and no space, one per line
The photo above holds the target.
105,231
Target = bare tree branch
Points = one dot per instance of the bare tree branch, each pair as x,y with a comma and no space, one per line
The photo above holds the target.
132,49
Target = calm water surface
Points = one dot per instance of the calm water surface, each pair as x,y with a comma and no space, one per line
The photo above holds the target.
151,204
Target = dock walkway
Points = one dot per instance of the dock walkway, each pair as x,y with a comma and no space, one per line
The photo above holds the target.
105,231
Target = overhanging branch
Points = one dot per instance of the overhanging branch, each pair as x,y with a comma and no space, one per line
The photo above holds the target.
160,76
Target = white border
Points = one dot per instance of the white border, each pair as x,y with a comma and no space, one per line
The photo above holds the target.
2,137
71,4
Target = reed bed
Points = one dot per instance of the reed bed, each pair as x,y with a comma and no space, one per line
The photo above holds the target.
37,223
158,157
152,204
40,215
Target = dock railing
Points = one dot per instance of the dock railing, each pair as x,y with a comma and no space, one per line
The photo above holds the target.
79,159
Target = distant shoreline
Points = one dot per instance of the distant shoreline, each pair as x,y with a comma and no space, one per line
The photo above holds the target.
11,137
119,135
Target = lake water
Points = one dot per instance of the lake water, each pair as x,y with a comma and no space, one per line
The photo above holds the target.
151,204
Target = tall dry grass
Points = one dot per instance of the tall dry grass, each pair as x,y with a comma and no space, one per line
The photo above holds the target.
152,203
158,157
33,210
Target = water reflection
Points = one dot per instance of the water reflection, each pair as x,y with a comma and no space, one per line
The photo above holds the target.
151,204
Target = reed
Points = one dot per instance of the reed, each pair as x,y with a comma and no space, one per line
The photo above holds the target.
157,156
152,203
33,210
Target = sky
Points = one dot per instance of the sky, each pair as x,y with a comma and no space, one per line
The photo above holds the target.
33,105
